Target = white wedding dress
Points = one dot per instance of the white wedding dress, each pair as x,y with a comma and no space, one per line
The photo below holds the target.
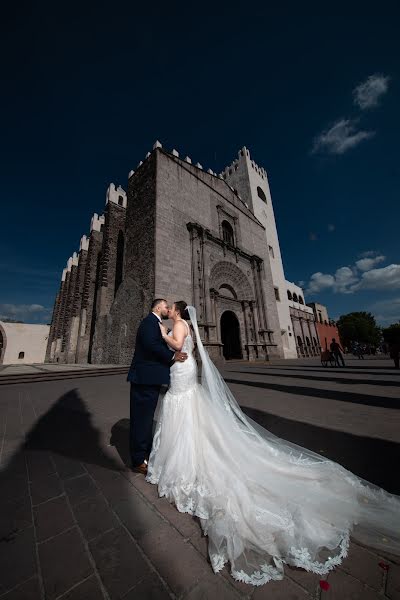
261,500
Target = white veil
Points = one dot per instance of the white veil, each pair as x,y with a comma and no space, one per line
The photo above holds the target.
373,514
219,392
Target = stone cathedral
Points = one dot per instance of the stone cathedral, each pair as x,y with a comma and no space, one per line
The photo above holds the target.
181,233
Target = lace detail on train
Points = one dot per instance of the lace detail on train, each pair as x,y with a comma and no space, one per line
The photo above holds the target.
261,501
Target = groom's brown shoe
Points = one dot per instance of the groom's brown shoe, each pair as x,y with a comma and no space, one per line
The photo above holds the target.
140,469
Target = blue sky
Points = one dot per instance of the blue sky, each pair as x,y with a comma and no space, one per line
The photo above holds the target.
87,91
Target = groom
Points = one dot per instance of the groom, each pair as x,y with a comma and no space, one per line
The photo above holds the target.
149,371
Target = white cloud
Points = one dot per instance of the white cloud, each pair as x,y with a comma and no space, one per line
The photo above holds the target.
366,264
363,275
339,138
345,278
368,253
320,281
25,312
368,93
385,278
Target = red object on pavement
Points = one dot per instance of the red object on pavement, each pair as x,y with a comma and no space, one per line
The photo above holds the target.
384,566
324,585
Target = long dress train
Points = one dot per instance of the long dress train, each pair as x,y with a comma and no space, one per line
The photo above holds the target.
262,501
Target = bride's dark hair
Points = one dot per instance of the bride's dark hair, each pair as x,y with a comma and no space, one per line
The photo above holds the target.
181,306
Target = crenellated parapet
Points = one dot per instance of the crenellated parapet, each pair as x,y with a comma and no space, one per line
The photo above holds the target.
243,155
116,194
175,153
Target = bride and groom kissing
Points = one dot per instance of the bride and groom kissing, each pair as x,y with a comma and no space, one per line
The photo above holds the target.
262,501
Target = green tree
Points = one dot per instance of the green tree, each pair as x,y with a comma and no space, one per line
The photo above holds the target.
391,334
359,327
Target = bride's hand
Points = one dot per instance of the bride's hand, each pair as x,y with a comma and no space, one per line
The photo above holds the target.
163,330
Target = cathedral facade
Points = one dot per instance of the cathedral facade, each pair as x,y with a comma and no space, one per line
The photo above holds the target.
180,233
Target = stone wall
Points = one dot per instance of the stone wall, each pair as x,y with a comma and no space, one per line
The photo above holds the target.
115,332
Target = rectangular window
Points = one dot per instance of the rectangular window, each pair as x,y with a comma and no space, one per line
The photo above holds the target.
277,294
271,251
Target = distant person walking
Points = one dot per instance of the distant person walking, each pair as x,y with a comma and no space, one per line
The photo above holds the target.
394,348
337,350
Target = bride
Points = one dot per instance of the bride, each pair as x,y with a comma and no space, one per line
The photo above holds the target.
261,500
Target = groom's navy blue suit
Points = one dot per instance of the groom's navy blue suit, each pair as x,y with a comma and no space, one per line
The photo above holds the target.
149,371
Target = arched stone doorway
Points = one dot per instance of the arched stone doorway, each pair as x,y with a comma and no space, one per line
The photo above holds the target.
230,336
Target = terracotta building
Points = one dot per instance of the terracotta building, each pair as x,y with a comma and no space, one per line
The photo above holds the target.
326,327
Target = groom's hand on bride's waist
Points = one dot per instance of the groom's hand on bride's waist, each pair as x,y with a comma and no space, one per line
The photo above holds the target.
180,356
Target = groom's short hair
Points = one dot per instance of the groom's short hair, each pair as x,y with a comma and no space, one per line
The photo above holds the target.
156,302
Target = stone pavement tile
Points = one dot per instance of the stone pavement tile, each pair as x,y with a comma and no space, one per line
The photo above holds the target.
243,589
213,586
45,488
285,589
52,517
200,542
100,473
393,582
308,581
15,515
119,562
79,488
178,563
17,559
94,516
115,489
187,525
64,562
39,464
344,586
150,588
67,467
29,590
363,565
13,486
137,515
87,590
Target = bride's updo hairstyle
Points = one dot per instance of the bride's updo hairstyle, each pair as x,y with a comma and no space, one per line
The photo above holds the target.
181,307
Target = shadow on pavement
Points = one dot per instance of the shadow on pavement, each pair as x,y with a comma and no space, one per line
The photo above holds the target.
66,429
343,380
120,440
365,399
347,369
369,458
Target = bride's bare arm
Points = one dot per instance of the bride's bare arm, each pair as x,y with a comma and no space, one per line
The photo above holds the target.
174,341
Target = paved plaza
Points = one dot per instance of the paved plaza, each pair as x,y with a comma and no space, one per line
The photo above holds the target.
76,524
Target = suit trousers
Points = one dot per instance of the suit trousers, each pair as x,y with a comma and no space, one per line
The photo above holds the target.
144,400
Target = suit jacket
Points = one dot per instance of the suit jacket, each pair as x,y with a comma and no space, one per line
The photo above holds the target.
152,357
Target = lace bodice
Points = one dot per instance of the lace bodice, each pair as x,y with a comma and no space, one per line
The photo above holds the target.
188,344
184,374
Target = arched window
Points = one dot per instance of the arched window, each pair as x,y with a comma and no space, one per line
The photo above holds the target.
119,267
227,233
301,301
120,200
308,341
21,355
289,295
299,341
261,195
295,298
315,342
